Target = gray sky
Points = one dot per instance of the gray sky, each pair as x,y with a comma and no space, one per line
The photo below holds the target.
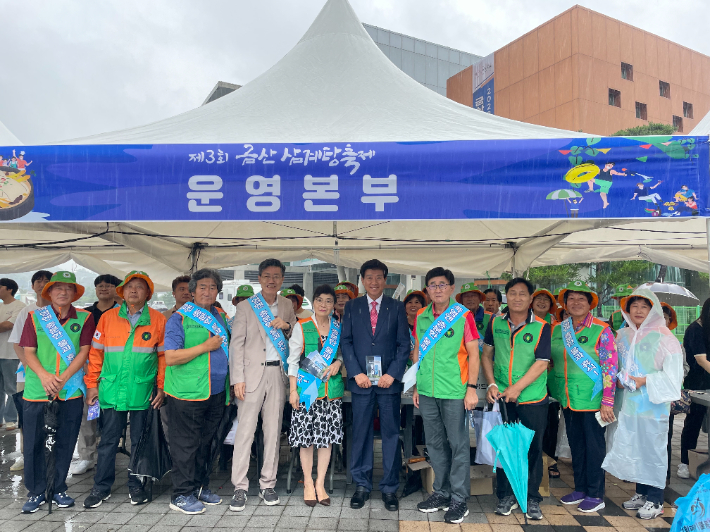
80,67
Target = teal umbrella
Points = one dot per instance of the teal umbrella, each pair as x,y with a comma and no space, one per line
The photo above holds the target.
511,442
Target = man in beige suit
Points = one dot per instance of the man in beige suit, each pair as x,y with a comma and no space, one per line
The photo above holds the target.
259,381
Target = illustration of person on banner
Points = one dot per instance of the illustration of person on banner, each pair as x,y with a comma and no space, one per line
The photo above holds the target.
56,340
582,379
604,181
445,392
197,383
651,375
258,361
316,391
521,381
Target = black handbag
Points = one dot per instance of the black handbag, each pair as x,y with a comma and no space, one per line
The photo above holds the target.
682,405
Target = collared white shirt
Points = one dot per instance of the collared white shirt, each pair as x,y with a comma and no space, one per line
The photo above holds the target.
378,301
295,346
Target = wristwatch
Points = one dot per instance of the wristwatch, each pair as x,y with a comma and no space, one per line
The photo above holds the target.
474,386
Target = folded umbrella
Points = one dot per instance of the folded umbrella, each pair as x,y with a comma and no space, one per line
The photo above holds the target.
51,426
511,442
152,460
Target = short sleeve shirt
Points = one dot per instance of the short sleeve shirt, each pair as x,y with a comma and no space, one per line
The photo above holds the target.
9,312
544,346
694,344
29,335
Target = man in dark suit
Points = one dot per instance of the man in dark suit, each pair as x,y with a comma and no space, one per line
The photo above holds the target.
375,326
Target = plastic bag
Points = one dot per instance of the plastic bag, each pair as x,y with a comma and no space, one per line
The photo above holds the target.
485,420
152,457
692,511
562,450
229,439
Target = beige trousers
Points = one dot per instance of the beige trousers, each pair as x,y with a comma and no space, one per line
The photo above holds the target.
86,444
268,398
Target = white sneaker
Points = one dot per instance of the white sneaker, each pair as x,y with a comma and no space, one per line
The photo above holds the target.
650,510
19,464
683,471
11,426
80,467
635,502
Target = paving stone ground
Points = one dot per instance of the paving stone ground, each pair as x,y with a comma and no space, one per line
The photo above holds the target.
117,514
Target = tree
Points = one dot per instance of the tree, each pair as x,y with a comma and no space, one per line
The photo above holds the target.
652,128
610,275
552,276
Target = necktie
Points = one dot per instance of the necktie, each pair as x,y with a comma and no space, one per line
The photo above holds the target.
373,316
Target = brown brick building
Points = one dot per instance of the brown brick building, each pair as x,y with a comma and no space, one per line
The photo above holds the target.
584,71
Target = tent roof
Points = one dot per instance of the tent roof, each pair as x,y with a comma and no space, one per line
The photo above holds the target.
335,85
703,127
7,138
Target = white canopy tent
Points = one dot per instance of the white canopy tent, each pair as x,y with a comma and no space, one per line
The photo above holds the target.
336,85
703,127
7,138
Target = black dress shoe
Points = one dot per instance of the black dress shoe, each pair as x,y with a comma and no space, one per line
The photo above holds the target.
391,502
359,497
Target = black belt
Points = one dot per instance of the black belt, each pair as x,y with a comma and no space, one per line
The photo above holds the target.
272,363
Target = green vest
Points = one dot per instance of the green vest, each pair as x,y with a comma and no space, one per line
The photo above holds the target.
191,381
49,358
482,326
511,364
334,388
569,384
443,373
128,372
617,320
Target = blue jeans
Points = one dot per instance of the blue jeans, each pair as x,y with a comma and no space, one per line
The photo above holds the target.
652,494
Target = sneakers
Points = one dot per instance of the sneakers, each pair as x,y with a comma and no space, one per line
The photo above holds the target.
207,497
19,464
635,502
239,501
506,505
11,426
269,496
62,500
534,511
187,504
683,471
573,498
33,504
590,504
650,510
95,498
456,512
137,496
80,467
434,503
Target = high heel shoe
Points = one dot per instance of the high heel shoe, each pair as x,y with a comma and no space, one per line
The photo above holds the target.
310,502
324,502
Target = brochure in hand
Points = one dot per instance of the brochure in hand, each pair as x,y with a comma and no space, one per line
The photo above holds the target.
315,364
374,369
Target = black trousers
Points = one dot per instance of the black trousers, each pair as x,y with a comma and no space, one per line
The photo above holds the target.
533,417
114,422
691,430
588,446
33,433
192,426
549,440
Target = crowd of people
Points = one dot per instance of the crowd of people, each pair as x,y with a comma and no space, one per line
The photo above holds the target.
613,381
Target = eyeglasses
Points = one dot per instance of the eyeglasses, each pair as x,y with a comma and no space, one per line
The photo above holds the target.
270,277
437,287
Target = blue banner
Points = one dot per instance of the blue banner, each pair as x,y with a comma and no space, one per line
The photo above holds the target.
208,321
309,383
580,357
276,336
600,177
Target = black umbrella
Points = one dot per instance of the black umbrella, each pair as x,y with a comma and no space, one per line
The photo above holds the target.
51,426
152,460
225,424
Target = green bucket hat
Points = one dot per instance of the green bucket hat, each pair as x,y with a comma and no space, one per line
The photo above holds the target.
623,291
63,277
345,289
469,287
578,286
244,290
288,292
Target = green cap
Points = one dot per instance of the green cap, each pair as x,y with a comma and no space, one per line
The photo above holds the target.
289,292
623,291
245,290
580,286
63,277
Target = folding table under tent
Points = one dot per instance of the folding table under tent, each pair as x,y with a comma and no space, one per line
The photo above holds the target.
472,191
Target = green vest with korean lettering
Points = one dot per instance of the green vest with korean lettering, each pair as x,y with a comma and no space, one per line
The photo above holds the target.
334,388
50,359
570,385
191,381
513,361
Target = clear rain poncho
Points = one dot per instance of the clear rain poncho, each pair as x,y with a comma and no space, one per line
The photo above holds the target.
639,449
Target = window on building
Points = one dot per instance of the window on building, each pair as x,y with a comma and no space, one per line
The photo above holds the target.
641,111
678,124
627,71
664,89
614,98
688,110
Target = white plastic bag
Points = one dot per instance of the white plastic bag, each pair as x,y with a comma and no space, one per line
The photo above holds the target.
229,440
485,420
562,450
